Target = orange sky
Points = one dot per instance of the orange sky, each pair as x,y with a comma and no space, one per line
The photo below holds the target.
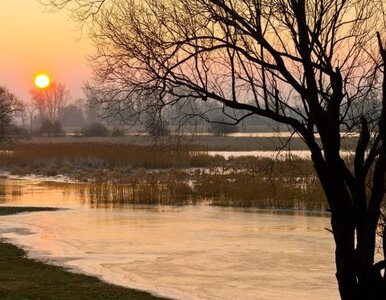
33,41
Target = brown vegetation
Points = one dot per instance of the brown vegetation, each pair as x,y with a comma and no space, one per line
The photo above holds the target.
100,155
169,175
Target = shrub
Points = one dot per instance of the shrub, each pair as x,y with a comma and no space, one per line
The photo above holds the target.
220,129
50,128
18,132
118,132
156,126
96,129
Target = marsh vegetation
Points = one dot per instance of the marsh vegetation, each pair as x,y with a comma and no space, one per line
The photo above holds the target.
115,174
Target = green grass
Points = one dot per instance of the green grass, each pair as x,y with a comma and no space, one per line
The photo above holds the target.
23,278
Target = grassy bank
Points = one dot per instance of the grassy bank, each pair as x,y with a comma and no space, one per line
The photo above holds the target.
22,278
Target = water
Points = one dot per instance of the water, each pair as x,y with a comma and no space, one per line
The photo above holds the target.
188,252
284,154
304,154
268,134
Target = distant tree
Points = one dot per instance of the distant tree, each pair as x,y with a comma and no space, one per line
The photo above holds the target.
307,64
50,128
96,129
50,101
19,132
117,132
9,105
72,116
99,109
219,128
155,124
93,115
29,116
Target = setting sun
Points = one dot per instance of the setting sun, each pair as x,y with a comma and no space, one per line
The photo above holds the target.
42,81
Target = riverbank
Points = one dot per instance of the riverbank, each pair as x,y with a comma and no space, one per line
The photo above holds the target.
23,278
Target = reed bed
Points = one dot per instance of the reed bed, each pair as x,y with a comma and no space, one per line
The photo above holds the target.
121,174
101,155
69,158
230,189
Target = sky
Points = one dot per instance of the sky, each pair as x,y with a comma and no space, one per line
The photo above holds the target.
33,41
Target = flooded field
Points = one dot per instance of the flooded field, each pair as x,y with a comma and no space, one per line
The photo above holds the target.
264,134
304,154
184,252
282,155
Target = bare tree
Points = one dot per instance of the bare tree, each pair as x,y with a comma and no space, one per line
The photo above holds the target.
9,106
50,101
73,116
28,115
312,65
155,124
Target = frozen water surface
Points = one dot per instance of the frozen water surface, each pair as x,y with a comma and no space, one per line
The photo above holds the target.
189,252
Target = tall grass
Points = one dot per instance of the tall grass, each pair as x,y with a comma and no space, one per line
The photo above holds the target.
230,189
102,155
162,174
55,158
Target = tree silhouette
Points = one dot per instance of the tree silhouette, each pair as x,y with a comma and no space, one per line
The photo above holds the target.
50,102
314,65
9,105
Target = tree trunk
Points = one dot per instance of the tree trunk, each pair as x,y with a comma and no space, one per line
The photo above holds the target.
354,254
357,278
343,230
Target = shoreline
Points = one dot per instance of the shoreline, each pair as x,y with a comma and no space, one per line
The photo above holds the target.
22,277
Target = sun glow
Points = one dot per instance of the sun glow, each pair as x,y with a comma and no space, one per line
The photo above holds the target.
42,81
